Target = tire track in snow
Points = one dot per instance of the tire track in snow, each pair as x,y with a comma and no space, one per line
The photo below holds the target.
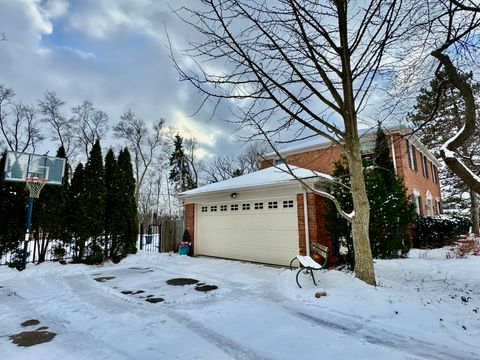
228,346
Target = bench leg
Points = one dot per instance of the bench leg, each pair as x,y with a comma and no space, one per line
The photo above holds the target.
296,278
291,262
313,277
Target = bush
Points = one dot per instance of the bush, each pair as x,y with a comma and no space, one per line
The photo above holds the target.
440,230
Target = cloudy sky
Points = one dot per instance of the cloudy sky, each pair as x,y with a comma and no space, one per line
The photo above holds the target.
111,52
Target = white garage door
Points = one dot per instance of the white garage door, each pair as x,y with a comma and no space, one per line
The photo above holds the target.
262,230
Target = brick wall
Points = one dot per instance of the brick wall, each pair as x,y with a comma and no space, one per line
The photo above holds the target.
414,180
189,221
316,223
322,160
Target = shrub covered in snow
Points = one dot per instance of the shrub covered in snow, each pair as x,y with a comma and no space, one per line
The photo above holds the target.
439,230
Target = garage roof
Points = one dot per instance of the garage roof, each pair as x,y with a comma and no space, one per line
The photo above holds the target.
275,175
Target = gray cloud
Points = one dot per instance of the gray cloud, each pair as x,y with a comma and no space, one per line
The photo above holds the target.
110,52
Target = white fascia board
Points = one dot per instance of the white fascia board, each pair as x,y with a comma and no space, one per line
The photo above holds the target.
260,191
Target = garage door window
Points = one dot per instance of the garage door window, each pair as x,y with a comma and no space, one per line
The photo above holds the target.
245,206
213,208
258,206
272,205
287,204
204,208
223,207
234,207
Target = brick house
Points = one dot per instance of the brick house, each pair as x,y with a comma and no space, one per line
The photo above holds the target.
261,216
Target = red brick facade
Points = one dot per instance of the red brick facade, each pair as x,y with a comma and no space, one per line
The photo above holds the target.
323,160
316,224
415,180
189,221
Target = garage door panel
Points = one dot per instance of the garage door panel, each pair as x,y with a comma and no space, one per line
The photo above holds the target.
268,235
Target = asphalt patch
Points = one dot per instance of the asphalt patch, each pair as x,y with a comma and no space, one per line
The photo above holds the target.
30,322
154,300
127,292
205,288
181,281
104,278
31,338
42,328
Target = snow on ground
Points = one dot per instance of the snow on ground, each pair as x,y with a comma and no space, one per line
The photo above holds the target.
425,307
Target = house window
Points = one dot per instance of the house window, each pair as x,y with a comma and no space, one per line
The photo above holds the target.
223,207
272,205
213,208
435,173
288,204
417,202
425,166
429,207
414,156
438,206
204,208
410,163
367,147
234,207
280,161
245,206
432,171
259,206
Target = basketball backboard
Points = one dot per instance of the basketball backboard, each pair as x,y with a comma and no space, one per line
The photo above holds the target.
22,166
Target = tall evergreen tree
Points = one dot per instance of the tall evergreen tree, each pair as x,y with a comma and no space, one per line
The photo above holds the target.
439,114
180,173
126,217
77,212
391,212
12,213
382,161
93,199
111,192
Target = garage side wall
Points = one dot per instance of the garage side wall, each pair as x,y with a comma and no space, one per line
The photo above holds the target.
318,232
189,219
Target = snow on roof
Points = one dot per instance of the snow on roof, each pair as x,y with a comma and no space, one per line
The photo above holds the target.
274,175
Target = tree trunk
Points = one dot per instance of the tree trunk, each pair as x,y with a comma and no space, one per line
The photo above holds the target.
474,212
360,224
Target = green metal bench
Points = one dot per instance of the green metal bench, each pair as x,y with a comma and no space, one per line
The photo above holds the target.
307,264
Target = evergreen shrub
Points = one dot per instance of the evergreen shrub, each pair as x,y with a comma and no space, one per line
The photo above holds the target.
439,230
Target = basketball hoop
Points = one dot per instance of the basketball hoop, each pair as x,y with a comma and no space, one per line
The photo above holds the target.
35,186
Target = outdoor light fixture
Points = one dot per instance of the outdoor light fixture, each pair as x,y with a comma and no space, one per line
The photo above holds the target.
233,195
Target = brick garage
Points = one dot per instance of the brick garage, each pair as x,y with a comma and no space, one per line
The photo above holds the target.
261,222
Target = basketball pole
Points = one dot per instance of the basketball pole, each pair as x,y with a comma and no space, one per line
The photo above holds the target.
28,224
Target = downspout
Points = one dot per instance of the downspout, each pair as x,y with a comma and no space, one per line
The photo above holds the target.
305,215
393,155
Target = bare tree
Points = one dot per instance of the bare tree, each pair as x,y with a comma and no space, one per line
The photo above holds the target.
89,124
191,147
223,167
142,142
18,123
51,107
449,34
299,68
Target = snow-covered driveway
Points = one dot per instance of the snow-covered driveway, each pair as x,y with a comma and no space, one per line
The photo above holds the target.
257,312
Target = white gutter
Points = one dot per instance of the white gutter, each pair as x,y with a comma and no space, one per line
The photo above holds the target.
305,215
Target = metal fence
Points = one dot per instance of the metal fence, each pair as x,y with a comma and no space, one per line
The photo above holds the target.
39,251
154,238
